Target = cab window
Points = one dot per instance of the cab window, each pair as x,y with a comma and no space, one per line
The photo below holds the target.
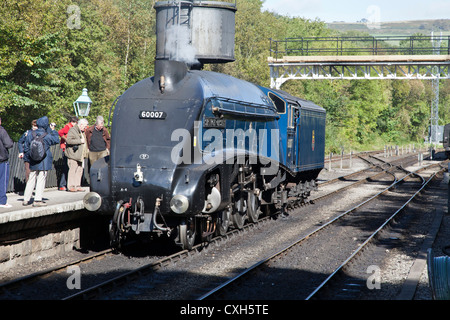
279,103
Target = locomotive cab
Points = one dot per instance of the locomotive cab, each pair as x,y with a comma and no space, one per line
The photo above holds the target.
302,129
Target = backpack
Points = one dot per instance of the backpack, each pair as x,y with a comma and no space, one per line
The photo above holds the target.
37,147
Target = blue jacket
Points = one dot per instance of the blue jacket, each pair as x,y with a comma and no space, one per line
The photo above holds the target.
21,144
50,139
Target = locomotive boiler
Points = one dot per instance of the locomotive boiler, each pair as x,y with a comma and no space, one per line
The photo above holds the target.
196,152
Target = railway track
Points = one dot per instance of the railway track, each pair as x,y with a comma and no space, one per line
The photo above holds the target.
230,288
157,264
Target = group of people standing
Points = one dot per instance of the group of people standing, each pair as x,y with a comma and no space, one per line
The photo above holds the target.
77,141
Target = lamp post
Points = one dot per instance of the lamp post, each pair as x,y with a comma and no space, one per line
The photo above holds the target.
82,104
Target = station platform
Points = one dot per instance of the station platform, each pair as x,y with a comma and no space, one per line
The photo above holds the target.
57,202
28,234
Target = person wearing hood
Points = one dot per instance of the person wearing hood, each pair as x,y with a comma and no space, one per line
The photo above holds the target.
39,169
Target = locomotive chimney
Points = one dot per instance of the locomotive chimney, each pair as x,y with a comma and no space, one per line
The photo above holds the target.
168,74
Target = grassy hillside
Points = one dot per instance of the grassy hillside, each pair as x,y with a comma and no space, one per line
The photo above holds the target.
396,27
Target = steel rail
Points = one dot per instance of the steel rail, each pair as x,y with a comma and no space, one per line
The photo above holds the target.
371,166
362,180
28,278
303,238
337,157
89,292
354,184
165,261
83,294
31,277
154,266
370,238
401,168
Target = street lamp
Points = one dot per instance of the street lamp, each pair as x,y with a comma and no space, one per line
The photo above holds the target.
82,104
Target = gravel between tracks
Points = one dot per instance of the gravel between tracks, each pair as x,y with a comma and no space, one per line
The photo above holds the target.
217,263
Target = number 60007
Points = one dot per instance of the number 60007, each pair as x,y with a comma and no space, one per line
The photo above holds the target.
152,115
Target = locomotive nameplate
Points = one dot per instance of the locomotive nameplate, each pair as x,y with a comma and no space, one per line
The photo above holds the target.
152,114
214,123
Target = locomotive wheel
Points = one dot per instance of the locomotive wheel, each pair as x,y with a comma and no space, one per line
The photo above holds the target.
223,221
253,210
114,231
239,213
114,240
186,232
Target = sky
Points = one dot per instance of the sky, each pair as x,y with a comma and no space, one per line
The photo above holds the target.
355,10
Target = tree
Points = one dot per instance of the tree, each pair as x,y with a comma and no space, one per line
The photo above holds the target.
30,51
51,50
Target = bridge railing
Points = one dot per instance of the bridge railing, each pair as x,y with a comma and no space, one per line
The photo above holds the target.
339,46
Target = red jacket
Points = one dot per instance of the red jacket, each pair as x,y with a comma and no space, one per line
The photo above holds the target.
63,134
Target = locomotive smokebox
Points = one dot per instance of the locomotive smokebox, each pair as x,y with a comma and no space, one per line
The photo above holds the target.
195,31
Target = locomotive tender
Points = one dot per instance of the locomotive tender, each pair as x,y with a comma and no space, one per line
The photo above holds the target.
195,152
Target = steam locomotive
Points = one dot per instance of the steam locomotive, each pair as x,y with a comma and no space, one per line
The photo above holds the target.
194,153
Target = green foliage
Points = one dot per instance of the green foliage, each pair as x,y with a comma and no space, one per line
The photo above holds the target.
46,59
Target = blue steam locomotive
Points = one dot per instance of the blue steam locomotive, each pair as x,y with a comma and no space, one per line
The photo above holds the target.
196,152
